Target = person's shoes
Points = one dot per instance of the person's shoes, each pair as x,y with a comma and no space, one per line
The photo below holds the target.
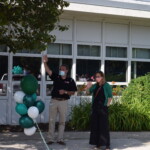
107,148
61,142
50,142
97,148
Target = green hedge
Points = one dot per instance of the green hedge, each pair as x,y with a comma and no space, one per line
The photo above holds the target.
80,119
131,113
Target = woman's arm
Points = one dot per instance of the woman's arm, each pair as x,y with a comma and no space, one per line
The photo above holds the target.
109,94
109,101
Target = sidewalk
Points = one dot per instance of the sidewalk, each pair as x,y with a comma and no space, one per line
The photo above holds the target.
75,141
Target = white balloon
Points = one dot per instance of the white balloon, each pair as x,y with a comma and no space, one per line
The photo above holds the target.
29,131
33,112
18,96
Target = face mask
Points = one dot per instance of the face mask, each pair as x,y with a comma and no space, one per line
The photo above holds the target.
62,73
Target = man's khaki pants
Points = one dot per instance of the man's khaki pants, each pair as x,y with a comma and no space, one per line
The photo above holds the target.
57,107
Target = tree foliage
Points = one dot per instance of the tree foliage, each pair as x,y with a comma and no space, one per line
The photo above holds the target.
26,24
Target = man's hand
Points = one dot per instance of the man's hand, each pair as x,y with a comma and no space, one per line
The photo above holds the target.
61,92
45,59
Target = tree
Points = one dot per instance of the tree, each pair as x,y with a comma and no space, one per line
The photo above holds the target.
26,24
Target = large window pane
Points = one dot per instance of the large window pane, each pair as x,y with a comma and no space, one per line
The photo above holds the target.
49,88
115,71
120,52
140,69
141,53
59,49
66,49
3,68
86,69
88,50
29,51
3,89
55,63
29,65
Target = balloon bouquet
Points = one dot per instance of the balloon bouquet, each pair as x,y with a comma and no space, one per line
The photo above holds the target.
26,104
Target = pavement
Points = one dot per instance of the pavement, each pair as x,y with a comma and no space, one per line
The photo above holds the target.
74,141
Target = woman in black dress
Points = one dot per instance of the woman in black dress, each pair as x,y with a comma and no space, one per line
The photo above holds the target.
102,96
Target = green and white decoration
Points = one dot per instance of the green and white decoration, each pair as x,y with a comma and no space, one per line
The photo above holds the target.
27,104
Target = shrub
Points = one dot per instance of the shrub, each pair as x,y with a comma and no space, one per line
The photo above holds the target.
80,116
130,113
133,117
138,91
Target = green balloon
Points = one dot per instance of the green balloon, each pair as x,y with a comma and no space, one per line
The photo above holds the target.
21,109
34,96
29,84
26,122
28,100
40,105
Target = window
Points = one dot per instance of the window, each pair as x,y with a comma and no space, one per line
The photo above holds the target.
3,68
3,89
29,51
141,53
115,71
86,69
120,52
49,88
29,65
3,75
55,63
3,48
88,50
139,69
59,49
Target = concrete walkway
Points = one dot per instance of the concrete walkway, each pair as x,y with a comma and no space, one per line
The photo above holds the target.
75,141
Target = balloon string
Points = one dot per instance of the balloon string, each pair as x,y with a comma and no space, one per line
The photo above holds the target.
42,137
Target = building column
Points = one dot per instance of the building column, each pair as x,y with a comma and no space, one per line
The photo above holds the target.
43,85
10,89
135,68
103,48
129,54
74,51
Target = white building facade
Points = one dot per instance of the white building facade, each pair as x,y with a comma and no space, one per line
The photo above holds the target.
108,35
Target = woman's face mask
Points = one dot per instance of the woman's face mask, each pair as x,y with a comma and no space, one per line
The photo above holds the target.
62,73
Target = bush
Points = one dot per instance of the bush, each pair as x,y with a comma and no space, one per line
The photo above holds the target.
80,116
133,117
138,91
131,113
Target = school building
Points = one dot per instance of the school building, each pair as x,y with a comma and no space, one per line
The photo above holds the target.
108,35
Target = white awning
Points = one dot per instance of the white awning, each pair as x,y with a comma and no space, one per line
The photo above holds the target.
97,9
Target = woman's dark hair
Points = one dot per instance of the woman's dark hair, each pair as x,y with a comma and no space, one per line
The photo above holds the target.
102,75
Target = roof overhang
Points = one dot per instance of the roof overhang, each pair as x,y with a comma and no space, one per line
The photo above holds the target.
105,10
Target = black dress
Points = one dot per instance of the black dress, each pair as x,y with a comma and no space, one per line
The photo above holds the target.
99,120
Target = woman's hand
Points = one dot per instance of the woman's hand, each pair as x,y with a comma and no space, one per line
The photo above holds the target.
89,84
109,101
45,59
